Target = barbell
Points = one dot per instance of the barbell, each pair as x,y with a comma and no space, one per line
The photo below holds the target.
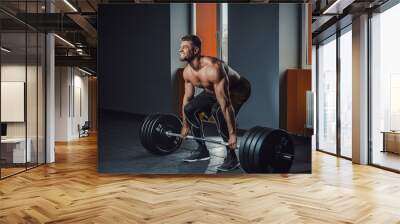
261,150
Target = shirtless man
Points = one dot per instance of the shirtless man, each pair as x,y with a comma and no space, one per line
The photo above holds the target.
224,93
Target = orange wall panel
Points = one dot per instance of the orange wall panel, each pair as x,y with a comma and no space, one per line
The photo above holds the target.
206,27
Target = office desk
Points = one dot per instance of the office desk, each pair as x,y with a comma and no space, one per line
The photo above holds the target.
13,150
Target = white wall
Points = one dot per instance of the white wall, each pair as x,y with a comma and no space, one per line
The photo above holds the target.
14,72
17,72
62,81
70,83
79,117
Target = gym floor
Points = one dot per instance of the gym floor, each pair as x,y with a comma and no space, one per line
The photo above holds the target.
120,150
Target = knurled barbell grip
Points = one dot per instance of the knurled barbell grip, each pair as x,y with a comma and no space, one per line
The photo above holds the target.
168,133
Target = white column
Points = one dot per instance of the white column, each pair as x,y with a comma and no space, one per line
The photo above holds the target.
50,92
360,90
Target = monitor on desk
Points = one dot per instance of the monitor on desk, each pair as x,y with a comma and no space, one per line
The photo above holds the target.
3,130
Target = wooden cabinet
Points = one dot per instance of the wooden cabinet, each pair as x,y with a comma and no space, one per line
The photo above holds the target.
296,84
391,142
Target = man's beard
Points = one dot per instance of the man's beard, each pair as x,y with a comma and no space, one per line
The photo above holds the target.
188,58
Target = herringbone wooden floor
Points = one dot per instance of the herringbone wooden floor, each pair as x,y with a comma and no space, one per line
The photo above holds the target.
71,191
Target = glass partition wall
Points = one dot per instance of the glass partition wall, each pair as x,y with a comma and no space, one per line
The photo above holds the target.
385,89
22,88
334,94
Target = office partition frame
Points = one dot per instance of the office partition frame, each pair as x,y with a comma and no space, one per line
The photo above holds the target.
36,33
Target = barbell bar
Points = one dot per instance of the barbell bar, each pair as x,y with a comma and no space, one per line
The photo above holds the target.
168,133
261,149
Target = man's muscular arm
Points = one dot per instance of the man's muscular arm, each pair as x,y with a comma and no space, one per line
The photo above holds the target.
221,89
188,95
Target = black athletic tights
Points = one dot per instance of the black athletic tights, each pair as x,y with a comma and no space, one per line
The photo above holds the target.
207,102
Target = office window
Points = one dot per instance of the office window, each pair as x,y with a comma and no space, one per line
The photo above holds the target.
385,88
346,93
327,96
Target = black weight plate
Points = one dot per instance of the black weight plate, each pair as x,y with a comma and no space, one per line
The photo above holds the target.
262,163
256,165
266,153
146,130
149,141
273,145
262,153
243,152
244,148
252,147
248,148
143,123
166,144
143,127
156,141
286,146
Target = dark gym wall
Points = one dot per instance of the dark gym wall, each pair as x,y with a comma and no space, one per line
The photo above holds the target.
254,52
289,47
135,63
289,37
263,42
137,58
180,26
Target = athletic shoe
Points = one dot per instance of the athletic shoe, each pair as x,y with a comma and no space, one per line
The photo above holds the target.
198,155
230,163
